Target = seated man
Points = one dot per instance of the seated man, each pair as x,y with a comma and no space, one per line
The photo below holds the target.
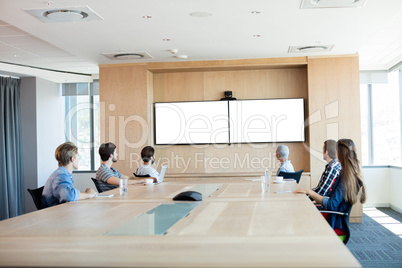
282,154
147,155
332,169
59,187
107,176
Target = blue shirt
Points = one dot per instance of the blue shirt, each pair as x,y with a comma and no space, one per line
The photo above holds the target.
59,188
336,202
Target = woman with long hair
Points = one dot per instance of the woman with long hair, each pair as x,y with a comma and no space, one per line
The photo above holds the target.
346,188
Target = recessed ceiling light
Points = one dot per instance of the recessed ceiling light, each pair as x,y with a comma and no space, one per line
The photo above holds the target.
65,14
200,14
147,17
128,56
312,48
132,55
255,12
307,49
331,3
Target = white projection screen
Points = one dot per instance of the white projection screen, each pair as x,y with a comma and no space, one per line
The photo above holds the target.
203,122
273,120
235,121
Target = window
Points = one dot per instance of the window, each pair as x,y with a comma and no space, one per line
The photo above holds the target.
365,123
82,121
381,121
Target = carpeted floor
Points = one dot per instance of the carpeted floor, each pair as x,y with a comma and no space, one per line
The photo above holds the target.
372,244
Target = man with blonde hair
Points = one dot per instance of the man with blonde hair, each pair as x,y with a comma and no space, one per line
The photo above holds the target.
59,187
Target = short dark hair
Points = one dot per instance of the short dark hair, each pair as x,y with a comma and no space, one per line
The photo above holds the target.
146,153
64,152
105,150
330,146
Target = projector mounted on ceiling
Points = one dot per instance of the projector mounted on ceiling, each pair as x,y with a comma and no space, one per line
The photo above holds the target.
309,49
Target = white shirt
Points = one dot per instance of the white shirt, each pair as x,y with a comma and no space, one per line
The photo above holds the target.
148,170
285,167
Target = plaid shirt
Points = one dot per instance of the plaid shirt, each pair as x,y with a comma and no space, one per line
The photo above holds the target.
331,172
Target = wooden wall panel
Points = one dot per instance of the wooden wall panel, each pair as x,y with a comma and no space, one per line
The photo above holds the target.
334,92
124,117
245,84
178,87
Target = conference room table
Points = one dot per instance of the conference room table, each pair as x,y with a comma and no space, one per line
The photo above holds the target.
235,225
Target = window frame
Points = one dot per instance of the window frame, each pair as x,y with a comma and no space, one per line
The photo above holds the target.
91,122
371,148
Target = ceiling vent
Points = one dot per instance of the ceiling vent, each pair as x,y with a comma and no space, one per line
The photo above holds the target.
310,49
64,14
128,56
331,3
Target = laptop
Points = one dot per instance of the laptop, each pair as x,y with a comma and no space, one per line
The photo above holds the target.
162,173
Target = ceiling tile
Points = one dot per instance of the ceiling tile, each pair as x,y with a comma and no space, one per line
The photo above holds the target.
8,30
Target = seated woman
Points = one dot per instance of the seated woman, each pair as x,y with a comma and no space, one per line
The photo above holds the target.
346,188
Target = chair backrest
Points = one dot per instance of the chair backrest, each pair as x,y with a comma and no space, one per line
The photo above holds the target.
344,216
103,186
292,175
95,181
36,196
141,176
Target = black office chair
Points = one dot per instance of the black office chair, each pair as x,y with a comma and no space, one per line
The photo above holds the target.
36,196
97,185
291,175
345,221
103,186
142,176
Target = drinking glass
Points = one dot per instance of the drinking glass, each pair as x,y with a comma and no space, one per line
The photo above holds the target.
268,172
123,186
263,184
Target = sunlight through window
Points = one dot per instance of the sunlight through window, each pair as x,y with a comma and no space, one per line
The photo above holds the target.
385,220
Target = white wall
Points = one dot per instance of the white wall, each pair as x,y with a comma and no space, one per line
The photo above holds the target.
384,186
50,126
378,186
42,118
395,189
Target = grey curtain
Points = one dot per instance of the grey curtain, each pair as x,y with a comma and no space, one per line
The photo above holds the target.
11,177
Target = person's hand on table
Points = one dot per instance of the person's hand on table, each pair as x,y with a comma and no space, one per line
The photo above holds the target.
301,191
91,192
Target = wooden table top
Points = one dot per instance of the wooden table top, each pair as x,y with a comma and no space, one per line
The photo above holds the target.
236,226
